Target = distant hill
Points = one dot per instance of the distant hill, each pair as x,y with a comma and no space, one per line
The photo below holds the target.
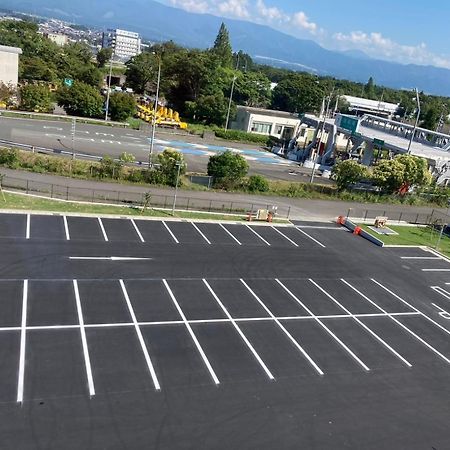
155,21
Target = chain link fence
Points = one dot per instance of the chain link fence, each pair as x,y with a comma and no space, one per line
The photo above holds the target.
138,198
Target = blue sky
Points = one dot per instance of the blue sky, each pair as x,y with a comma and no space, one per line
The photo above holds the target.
406,31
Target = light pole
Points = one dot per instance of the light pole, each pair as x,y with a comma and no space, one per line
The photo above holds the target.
176,188
109,86
416,123
321,135
231,94
155,110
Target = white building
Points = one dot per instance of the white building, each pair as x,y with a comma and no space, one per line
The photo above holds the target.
365,106
126,44
57,38
9,64
280,124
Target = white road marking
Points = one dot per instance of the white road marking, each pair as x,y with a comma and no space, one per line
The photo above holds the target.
435,270
285,331
321,228
254,232
109,258
137,230
140,337
420,257
27,232
52,128
200,232
362,324
310,237
170,231
191,332
236,326
286,237
66,228
441,291
21,374
443,313
87,359
319,321
105,236
230,234
398,322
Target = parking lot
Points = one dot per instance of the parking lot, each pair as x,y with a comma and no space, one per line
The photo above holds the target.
192,325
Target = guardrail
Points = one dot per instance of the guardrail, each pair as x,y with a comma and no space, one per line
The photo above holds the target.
136,198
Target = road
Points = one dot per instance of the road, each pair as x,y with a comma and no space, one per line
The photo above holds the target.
104,140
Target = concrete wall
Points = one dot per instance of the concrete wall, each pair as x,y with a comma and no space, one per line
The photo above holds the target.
9,64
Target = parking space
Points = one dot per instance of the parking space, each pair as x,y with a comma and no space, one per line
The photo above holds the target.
120,230
47,227
186,233
85,228
13,225
106,336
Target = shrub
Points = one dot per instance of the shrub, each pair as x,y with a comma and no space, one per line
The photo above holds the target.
257,183
227,168
9,157
238,135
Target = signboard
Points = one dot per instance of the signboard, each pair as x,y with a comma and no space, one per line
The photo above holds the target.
350,123
68,82
378,142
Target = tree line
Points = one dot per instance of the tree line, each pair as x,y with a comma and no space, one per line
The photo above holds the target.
195,82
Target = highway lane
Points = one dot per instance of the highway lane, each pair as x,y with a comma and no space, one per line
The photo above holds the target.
104,140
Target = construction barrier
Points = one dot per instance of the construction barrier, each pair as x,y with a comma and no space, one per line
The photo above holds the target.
357,230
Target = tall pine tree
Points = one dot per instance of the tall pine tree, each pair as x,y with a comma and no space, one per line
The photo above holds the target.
222,47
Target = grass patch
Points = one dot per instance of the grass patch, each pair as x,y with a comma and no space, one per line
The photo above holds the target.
30,203
412,235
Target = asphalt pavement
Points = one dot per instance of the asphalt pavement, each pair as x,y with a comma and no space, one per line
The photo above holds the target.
138,334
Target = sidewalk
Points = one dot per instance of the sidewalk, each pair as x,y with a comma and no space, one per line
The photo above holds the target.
300,209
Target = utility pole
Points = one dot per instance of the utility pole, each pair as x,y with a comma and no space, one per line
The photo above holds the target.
176,188
109,87
155,110
416,123
231,94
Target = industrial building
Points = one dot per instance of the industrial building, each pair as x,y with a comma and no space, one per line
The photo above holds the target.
9,64
126,44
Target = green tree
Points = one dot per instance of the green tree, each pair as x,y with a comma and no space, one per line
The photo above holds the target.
243,61
369,89
401,173
7,93
141,70
257,183
121,106
227,168
81,99
297,94
210,109
346,173
103,56
35,98
222,47
168,161
252,89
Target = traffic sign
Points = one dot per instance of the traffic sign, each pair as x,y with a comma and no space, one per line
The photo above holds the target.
350,123
68,82
378,142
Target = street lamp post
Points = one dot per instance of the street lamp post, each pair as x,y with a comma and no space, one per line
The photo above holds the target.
109,87
416,123
155,110
320,140
176,188
231,94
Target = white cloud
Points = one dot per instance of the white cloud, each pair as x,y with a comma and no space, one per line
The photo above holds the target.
379,46
234,8
193,6
270,13
301,19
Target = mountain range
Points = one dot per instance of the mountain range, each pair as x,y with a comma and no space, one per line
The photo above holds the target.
158,22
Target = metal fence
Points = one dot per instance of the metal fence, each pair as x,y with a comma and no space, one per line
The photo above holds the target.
137,198
435,217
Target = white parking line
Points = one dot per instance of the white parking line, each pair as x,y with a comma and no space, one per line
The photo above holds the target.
140,337
191,332
21,373
286,237
420,257
66,228
435,270
441,291
236,326
254,232
170,232
231,235
87,359
310,237
200,232
347,349
362,324
105,236
397,321
285,331
27,232
137,230
412,307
